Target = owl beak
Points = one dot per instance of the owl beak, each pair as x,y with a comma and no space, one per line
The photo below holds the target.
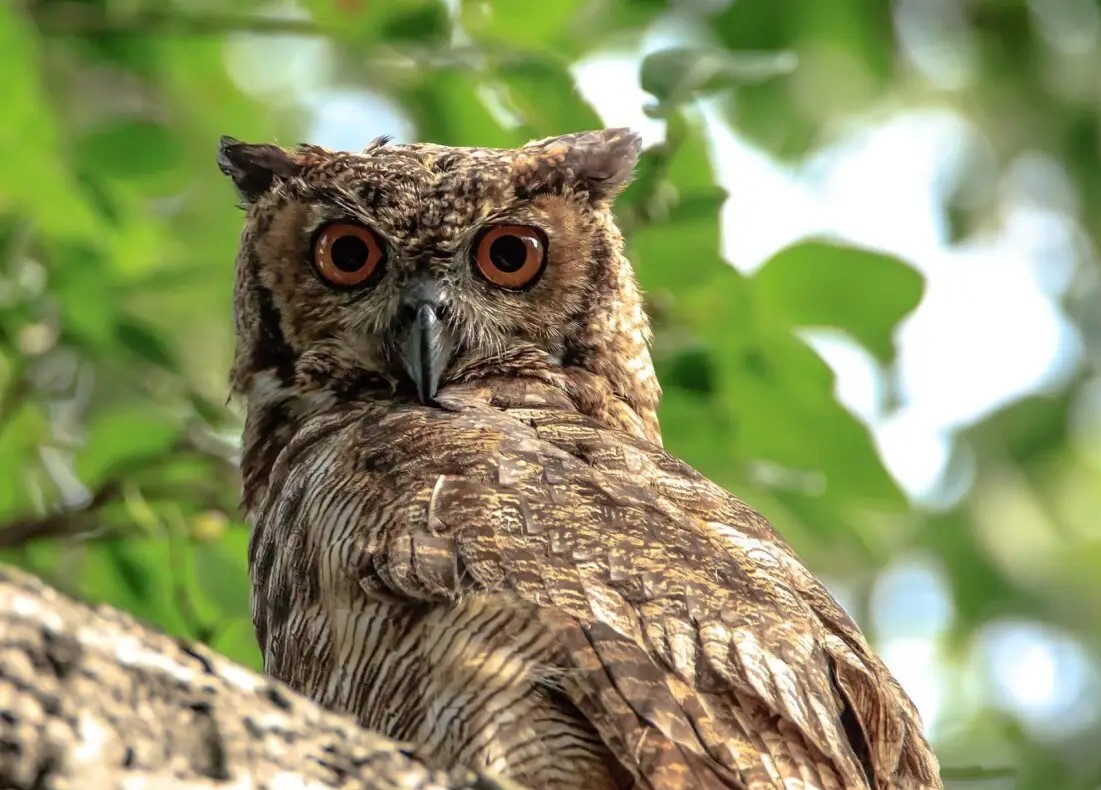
425,351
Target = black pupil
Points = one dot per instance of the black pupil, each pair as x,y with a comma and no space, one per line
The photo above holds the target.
508,253
349,253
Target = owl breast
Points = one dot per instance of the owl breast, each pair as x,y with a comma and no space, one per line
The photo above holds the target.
471,682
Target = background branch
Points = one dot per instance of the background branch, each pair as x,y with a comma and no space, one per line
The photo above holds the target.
81,19
81,521
70,522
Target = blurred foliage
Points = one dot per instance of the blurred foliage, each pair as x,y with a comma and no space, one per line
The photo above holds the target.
117,235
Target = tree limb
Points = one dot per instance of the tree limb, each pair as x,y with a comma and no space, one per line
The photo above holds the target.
65,522
90,697
82,520
87,20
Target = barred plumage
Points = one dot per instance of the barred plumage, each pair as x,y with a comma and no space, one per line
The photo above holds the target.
498,561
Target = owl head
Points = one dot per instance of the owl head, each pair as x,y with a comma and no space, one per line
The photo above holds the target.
408,267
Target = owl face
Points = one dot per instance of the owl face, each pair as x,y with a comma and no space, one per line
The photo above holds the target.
414,263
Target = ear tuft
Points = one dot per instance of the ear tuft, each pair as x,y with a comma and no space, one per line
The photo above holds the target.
606,159
254,166
603,162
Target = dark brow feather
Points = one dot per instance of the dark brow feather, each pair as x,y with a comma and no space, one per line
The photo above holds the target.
336,196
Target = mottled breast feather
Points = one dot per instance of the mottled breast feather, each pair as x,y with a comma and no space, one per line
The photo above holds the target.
507,581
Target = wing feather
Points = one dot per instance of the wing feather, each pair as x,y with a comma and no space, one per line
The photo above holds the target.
688,633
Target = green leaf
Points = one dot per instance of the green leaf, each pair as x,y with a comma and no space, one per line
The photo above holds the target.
124,436
777,396
781,395
135,575
1033,429
236,640
32,173
515,23
689,167
699,431
853,26
130,150
862,292
25,428
419,21
680,253
144,342
221,569
690,368
676,75
448,109
543,92
845,64
677,247
83,285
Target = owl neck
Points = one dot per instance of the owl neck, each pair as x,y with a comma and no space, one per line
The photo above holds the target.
614,341
611,382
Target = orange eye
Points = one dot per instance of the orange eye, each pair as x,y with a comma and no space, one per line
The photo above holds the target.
511,256
347,255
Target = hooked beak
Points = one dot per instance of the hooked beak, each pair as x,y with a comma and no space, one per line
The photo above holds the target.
425,349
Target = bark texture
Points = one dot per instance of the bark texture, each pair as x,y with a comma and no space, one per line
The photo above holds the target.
92,698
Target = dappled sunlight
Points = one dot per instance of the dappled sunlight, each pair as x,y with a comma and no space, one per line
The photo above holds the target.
1042,676
916,665
938,41
343,119
282,70
911,611
609,80
989,329
911,599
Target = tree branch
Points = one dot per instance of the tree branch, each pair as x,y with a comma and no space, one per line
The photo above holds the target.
82,19
89,697
61,523
79,521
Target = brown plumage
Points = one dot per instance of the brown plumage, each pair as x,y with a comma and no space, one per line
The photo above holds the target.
465,530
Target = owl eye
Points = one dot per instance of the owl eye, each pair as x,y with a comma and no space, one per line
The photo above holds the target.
511,256
347,255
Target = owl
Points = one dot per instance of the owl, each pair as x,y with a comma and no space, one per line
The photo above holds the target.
465,531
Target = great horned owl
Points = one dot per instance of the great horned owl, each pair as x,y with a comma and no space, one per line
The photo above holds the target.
464,528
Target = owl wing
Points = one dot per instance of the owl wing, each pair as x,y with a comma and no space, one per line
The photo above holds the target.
695,643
